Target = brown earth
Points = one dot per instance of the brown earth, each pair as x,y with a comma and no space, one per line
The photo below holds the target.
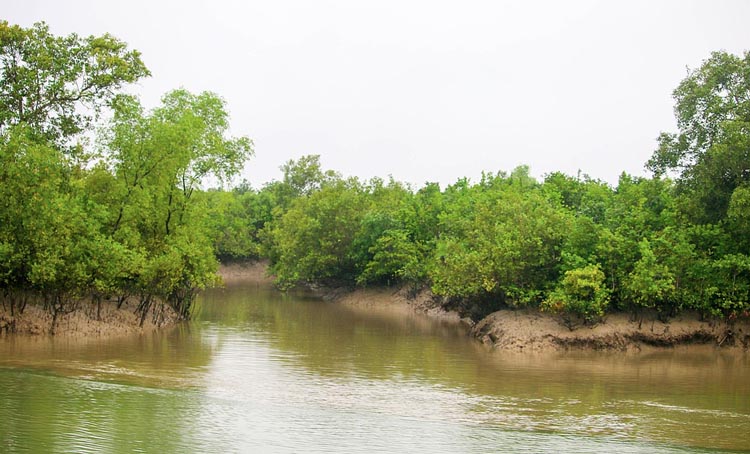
529,330
533,331
396,299
84,322
112,321
508,330
246,272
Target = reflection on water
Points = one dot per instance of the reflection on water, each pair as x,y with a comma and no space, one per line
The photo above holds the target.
258,370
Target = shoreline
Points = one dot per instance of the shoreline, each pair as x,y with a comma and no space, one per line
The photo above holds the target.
112,321
83,322
509,330
529,330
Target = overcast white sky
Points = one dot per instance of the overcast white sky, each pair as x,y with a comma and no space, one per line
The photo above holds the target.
423,90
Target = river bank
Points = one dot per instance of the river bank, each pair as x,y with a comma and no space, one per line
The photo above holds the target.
508,330
86,321
530,330
109,320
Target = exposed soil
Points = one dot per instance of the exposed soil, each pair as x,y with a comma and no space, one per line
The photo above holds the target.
396,299
529,330
246,272
111,321
507,330
84,322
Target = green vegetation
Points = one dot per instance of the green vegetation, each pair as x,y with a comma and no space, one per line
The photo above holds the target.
570,245
128,217
122,219
580,296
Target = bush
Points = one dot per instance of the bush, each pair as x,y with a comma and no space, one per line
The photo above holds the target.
580,297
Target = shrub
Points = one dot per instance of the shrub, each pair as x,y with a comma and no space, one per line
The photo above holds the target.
580,296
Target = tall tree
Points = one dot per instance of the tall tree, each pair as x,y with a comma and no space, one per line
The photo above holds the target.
158,160
711,151
57,84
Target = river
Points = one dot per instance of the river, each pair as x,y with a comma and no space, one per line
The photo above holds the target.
260,372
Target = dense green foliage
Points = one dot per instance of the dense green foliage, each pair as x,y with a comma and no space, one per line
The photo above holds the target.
128,217
571,245
567,244
47,79
581,296
122,219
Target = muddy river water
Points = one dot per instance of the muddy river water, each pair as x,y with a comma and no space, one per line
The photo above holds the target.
260,372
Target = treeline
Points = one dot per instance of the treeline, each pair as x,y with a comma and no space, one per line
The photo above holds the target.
92,210
570,245
110,207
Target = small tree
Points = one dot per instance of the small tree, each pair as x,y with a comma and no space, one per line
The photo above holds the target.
394,257
312,241
650,284
580,297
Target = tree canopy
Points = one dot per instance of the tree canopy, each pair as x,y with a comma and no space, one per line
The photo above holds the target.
56,84
130,217
711,150
119,220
